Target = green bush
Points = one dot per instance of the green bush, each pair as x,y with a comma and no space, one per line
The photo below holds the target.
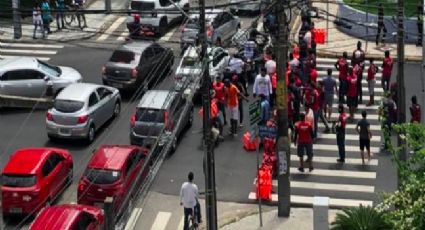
360,218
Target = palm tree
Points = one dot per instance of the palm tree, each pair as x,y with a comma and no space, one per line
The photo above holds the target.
360,218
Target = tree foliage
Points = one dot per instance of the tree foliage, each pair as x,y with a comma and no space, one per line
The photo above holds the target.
360,218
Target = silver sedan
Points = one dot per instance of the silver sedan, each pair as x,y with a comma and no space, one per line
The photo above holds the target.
81,109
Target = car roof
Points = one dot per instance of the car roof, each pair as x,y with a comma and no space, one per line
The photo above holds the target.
156,99
111,157
60,216
191,52
26,161
136,46
77,92
18,63
209,14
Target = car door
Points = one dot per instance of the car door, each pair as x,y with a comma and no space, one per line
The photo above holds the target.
129,178
146,65
36,84
162,59
59,173
106,104
93,110
13,82
48,178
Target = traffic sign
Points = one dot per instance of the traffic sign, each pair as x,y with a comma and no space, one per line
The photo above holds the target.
266,131
255,112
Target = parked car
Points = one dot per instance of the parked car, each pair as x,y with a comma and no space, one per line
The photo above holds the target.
220,24
110,173
137,64
81,109
249,7
33,178
150,17
69,217
28,77
156,117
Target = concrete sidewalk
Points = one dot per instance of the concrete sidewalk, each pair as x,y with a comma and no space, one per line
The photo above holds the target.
97,23
338,42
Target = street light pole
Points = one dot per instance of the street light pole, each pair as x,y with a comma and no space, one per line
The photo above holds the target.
401,94
17,27
209,165
282,143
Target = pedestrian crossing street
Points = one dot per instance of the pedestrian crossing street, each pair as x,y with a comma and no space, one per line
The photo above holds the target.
350,184
42,52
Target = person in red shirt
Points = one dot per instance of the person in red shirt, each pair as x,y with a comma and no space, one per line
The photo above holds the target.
218,87
358,71
304,138
315,106
352,92
340,133
371,72
415,110
387,68
342,66
313,74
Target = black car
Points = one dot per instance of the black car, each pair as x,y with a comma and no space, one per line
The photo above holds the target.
137,64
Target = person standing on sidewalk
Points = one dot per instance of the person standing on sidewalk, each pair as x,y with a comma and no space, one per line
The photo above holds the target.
381,25
371,72
415,111
46,16
304,138
232,95
387,68
189,199
37,21
218,87
262,85
363,129
420,22
342,66
340,133
352,92
60,8
79,6
241,89
329,90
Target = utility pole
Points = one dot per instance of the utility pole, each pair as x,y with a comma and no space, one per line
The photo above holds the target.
108,6
401,94
209,170
17,27
282,139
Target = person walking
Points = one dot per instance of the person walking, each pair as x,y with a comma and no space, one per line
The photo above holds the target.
387,116
304,138
265,110
322,114
241,89
351,93
340,133
381,25
218,87
358,59
232,97
363,129
371,72
342,66
415,111
79,6
60,10
262,85
387,68
296,98
329,90
46,16
37,21
236,66
315,106
189,199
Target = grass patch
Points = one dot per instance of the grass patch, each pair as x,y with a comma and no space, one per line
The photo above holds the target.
390,6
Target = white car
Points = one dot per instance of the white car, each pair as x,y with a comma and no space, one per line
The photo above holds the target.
158,19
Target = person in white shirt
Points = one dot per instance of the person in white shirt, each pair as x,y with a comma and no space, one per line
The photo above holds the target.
189,200
271,65
37,21
263,85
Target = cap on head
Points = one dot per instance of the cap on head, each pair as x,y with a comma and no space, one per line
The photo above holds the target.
190,176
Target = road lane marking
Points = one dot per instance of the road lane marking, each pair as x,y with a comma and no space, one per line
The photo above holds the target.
168,35
334,148
13,56
111,29
123,35
131,223
332,160
336,173
333,60
360,107
181,224
364,82
161,221
43,52
350,137
369,116
25,45
365,98
309,200
353,126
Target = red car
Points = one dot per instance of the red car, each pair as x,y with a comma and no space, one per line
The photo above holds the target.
33,178
110,173
69,217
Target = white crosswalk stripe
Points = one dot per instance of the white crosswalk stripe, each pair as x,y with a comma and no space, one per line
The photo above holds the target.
42,52
330,178
161,221
111,29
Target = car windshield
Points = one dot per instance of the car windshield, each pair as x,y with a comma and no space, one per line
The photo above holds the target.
100,176
150,115
122,56
49,69
68,106
193,23
11,180
190,62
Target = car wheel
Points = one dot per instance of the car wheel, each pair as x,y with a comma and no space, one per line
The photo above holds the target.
117,110
163,25
52,138
190,121
91,134
174,145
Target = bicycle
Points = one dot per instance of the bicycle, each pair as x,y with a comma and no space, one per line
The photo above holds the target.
70,15
193,222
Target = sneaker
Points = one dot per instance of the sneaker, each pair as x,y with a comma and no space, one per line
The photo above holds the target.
235,135
339,160
310,169
307,160
240,125
301,169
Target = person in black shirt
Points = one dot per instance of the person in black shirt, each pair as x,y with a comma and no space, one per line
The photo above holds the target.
420,22
381,24
363,129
